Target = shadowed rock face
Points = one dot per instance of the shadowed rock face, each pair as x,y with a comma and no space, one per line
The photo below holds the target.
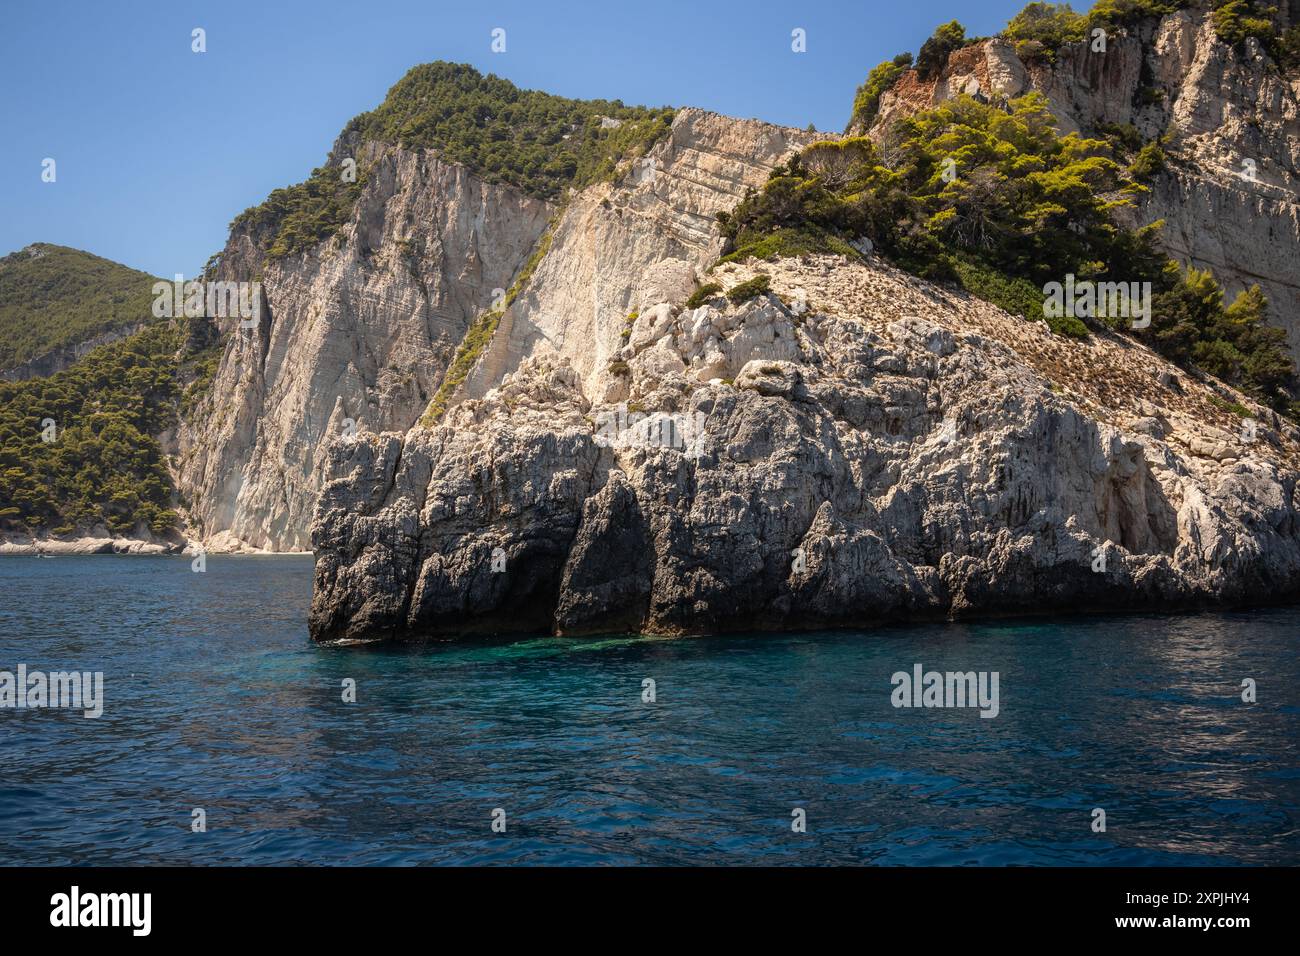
1230,196
893,452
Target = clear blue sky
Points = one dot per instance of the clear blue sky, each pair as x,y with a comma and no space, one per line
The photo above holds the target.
158,148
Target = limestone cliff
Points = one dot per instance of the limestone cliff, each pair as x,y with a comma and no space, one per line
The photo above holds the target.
849,445
1230,193
356,333
625,246
853,444
891,450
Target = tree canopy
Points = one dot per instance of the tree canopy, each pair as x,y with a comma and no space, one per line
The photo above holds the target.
80,447
52,297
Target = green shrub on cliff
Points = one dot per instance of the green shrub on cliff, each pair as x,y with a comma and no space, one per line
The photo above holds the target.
477,338
1114,14
1235,20
479,334
964,176
831,191
1287,49
1191,326
866,102
1044,28
934,53
703,294
750,289
1009,293
301,216
1150,160
1049,26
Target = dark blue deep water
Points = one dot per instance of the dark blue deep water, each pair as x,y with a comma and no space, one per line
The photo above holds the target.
216,699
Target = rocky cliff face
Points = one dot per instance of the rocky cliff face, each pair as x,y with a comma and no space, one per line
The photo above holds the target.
356,333
626,246
877,448
1230,195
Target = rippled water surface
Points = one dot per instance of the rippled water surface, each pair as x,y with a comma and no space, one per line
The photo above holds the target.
216,699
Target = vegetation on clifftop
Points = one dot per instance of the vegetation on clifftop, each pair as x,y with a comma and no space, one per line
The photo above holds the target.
1041,29
750,289
947,40
540,143
866,103
300,216
534,141
1000,203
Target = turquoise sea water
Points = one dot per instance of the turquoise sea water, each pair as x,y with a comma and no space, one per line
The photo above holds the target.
215,699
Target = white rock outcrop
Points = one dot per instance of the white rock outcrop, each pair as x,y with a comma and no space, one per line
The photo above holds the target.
361,328
911,453
357,335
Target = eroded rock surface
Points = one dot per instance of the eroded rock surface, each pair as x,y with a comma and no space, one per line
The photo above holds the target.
361,328
859,446
357,333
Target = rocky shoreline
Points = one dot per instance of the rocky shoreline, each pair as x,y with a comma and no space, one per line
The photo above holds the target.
856,445
11,544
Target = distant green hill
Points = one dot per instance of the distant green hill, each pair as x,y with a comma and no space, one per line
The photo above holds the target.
53,297
80,447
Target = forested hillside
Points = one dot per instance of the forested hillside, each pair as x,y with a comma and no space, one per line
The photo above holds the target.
52,296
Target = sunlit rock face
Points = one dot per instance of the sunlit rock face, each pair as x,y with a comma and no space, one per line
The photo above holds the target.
358,331
855,446
356,334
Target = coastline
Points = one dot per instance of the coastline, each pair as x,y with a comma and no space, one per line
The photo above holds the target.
89,544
